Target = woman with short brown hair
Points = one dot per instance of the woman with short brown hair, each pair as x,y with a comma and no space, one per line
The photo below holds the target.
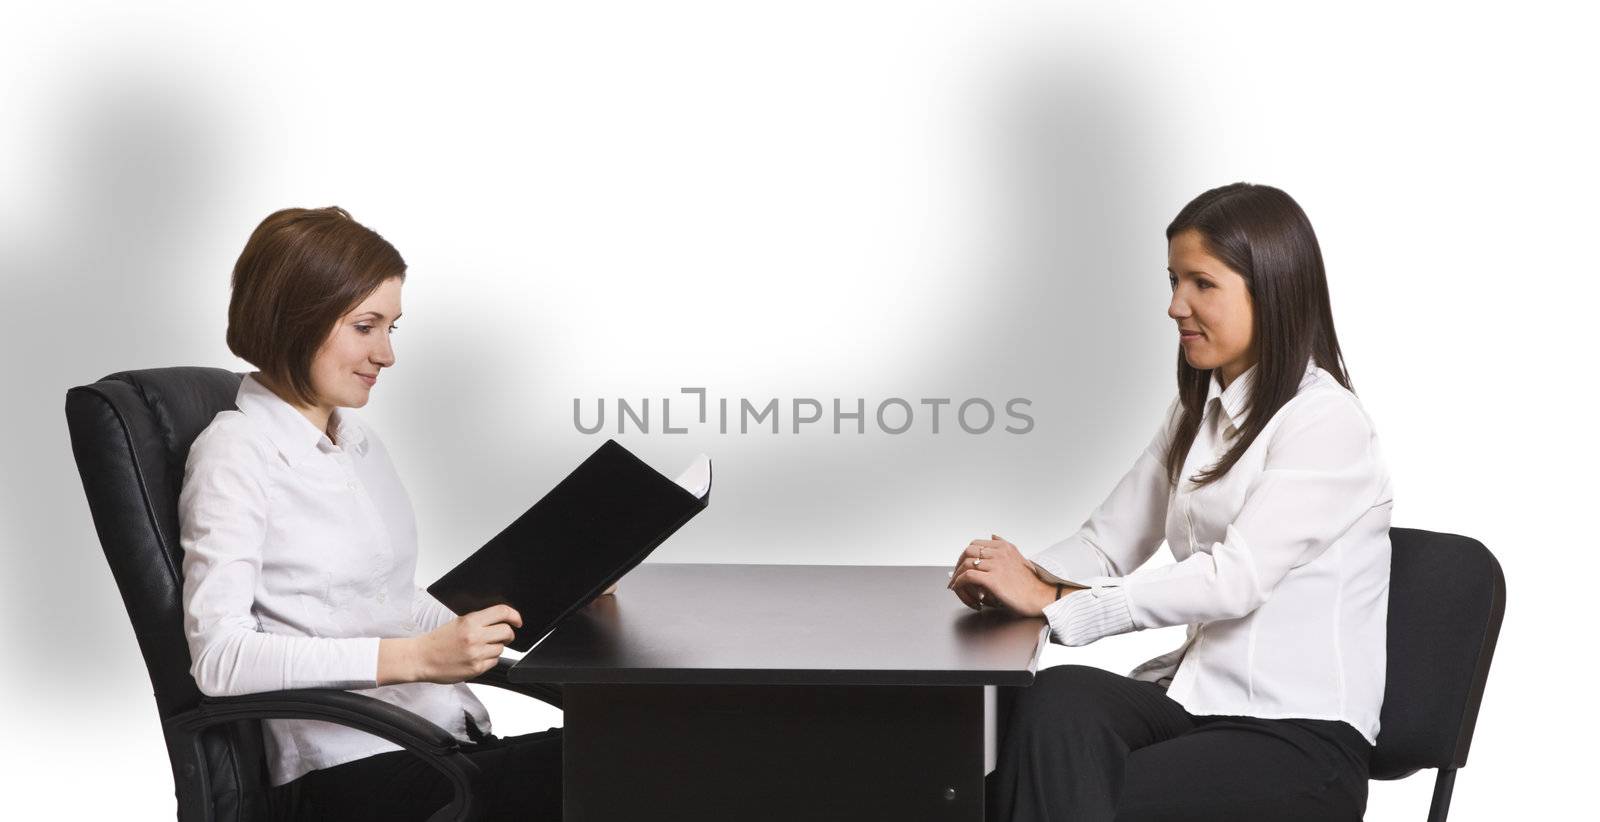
300,544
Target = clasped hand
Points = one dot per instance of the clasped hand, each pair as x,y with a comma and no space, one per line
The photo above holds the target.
993,572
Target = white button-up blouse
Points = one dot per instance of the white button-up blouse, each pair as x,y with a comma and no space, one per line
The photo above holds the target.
299,554
1282,571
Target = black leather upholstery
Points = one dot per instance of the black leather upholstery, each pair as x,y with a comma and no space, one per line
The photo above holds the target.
131,433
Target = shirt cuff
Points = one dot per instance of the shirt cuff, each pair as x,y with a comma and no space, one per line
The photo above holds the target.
359,661
1083,616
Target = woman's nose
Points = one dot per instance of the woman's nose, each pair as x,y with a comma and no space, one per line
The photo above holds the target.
384,356
1177,309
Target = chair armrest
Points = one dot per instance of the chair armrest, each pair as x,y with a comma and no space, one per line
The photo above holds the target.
413,733
499,676
359,711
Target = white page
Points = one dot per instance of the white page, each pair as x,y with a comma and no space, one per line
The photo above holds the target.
696,479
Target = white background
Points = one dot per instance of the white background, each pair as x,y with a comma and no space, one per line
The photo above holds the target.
820,200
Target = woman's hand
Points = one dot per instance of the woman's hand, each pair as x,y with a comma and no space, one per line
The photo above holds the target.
456,651
994,572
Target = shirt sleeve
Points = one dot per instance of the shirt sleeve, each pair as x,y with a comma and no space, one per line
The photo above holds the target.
222,511
428,612
1322,473
1083,616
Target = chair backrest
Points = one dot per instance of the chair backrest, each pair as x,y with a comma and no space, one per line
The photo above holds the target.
1447,596
131,433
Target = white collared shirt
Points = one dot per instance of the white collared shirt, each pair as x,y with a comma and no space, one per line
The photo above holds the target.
1282,571
299,554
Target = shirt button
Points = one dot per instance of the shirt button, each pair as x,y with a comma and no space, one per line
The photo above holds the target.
382,595
352,484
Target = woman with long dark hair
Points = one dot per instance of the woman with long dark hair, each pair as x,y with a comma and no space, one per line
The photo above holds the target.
300,545
1268,485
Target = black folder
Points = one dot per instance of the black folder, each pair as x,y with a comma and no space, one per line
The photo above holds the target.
593,527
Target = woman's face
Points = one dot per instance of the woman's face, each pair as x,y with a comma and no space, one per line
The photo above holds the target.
1212,301
358,348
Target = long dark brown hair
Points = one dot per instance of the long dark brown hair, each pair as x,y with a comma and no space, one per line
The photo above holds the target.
1261,233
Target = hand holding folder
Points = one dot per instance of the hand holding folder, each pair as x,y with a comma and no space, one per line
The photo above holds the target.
596,525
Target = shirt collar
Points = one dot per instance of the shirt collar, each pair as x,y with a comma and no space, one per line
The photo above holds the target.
1235,397
294,435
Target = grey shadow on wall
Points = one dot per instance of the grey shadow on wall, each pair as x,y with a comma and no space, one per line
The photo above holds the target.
94,282
1064,309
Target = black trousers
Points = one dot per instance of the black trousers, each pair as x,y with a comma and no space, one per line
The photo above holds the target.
521,781
1088,745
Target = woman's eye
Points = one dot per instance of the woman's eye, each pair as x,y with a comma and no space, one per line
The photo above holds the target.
393,328
1204,284
363,328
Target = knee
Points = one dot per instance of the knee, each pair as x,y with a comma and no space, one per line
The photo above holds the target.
1064,695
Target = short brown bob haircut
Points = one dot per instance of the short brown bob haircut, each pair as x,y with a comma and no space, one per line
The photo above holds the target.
301,271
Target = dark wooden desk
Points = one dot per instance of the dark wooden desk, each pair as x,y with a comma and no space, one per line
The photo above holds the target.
768,692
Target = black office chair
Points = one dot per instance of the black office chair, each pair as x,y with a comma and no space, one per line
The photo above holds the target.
1447,596
131,433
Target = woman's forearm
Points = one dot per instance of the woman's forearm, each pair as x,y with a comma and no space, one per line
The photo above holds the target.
231,659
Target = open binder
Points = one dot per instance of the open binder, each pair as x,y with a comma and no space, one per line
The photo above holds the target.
593,527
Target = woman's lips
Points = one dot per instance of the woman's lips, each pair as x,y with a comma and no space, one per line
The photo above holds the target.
368,380
1184,336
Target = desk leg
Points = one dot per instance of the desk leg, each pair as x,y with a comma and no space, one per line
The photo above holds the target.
773,752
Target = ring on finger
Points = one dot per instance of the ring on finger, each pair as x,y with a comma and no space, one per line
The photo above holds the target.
976,562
